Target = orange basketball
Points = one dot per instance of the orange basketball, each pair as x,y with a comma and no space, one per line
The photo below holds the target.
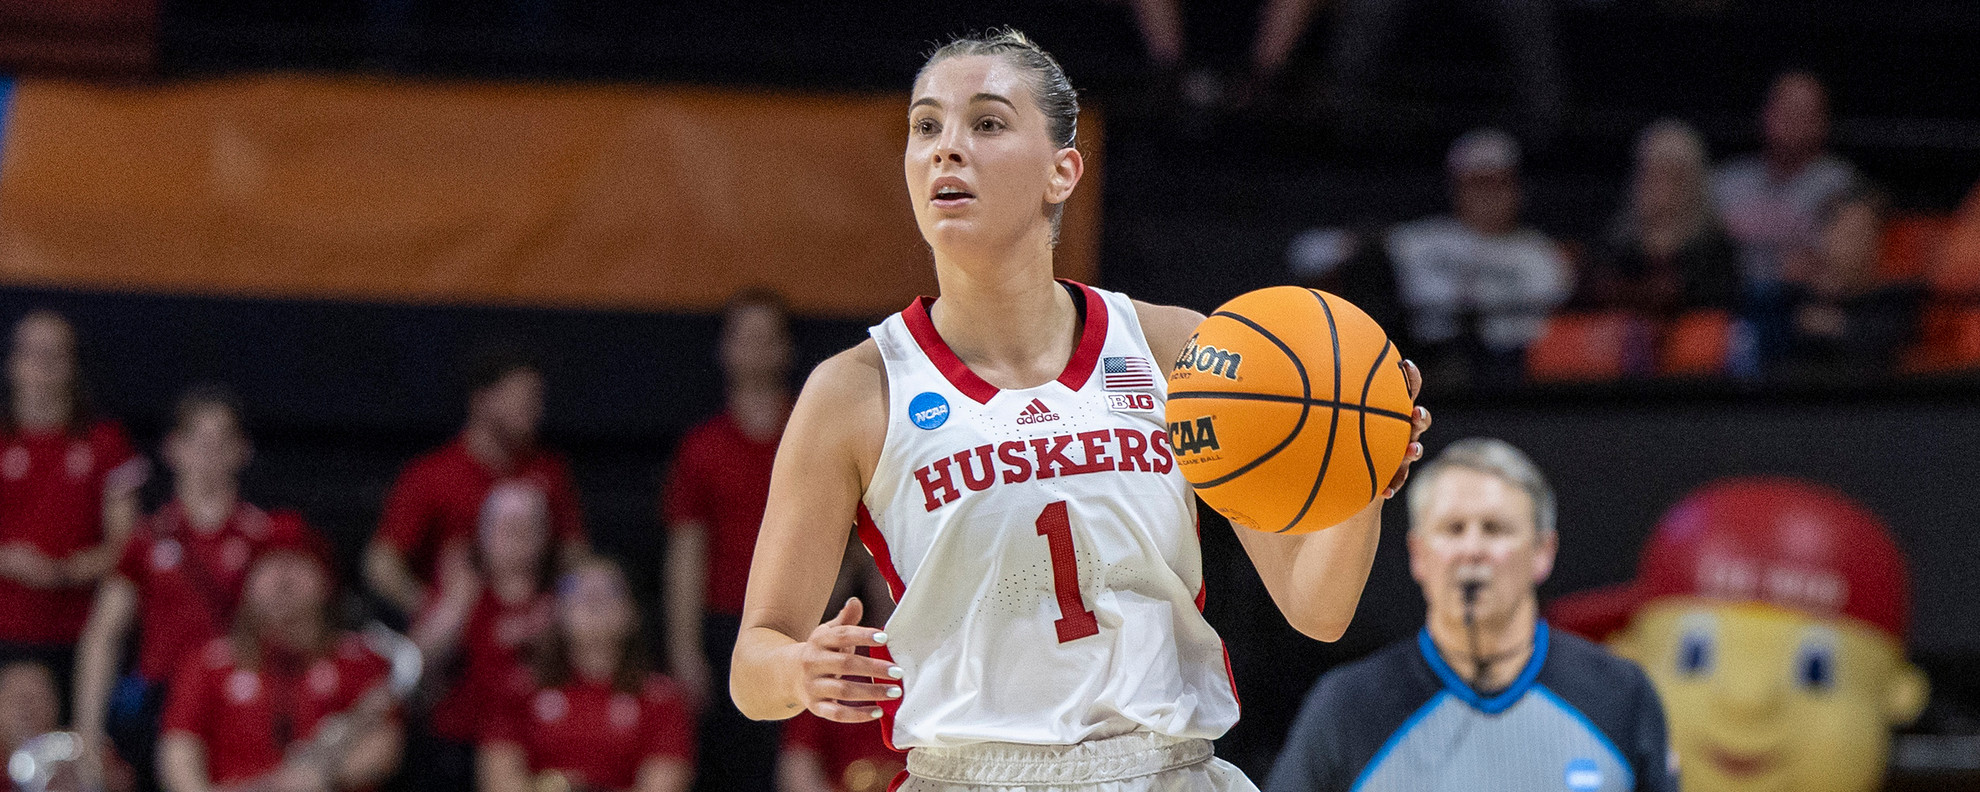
1288,410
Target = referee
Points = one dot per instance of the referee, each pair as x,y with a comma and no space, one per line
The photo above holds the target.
1485,697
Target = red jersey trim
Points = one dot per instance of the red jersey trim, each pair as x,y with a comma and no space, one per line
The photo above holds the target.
876,545
1228,674
1078,369
888,708
1203,597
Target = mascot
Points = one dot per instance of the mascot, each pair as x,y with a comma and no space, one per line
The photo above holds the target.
1770,614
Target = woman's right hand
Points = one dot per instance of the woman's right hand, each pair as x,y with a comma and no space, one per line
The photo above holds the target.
829,659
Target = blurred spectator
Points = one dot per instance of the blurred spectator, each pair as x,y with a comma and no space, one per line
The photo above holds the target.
68,496
1160,24
179,577
713,506
1525,30
1350,262
1281,26
1773,203
1961,251
1664,253
439,496
245,712
29,705
1478,285
828,756
494,605
596,719
1844,322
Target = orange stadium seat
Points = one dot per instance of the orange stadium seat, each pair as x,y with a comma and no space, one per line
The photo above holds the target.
1911,246
1581,347
1944,252
1948,340
1696,344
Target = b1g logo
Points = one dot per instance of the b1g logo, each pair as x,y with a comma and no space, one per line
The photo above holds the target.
1131,402
1193,437
1208,359
929,410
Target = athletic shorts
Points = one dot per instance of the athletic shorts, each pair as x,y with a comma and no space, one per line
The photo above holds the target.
1133,762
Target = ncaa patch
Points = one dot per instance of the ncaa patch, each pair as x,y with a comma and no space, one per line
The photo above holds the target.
1583,775
929,410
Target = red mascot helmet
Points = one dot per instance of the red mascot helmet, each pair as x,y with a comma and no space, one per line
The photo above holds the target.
1780,541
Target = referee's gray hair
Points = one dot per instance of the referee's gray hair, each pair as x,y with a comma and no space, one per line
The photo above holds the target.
1492,456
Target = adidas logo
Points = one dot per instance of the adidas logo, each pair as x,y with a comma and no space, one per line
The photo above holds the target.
1036,412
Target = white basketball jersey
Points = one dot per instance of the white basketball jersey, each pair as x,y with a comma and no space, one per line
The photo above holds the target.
1042,547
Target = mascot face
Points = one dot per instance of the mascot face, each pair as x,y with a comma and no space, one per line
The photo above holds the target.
1765,698
1770,614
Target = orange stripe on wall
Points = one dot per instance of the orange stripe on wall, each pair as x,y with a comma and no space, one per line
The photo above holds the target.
452,192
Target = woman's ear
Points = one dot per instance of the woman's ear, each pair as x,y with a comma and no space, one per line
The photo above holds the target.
1067,166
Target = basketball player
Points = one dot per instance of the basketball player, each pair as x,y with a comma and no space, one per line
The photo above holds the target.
1041,544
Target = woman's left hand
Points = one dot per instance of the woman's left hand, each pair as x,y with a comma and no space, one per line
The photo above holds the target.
1419,422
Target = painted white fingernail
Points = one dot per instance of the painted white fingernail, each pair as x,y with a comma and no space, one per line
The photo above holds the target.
880,638
895,672
894,692
874,713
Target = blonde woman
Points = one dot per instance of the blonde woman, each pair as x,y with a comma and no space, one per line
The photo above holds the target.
1665,253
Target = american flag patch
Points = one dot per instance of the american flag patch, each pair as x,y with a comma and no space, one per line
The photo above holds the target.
1127,373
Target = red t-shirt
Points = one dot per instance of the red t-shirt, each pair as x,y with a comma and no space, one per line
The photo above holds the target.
189,581
488,666
595,735
241,715
437,501
721,479
855,755
51,496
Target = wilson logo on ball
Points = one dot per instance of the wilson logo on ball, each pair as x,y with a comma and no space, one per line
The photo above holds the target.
1310,424
1209,360
1194,437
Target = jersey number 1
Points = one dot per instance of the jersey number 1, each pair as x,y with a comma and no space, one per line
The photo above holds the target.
1075,621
